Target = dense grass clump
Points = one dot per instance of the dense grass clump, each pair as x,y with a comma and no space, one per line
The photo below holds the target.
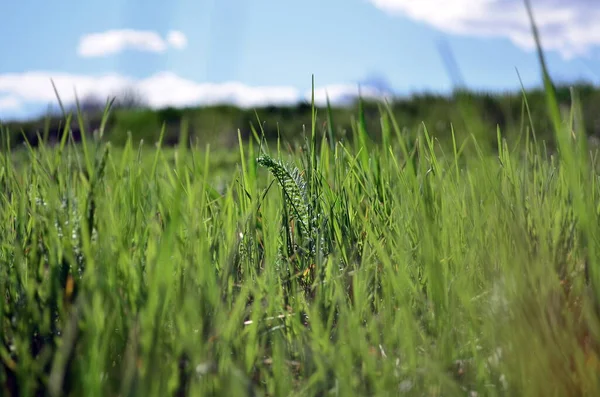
404,268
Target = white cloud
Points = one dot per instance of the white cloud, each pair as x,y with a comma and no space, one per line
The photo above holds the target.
160,90
9,103
37,86
114,41
342,93
168,89
567,26
177,39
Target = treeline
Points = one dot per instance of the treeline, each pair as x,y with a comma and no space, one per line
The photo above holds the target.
466,112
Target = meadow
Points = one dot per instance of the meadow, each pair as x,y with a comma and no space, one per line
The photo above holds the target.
411,266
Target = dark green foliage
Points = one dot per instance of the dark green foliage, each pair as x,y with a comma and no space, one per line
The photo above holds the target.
218,125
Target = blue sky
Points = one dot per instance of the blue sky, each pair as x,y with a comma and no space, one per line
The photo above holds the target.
255,52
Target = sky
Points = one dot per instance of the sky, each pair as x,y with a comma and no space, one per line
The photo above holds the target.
258,52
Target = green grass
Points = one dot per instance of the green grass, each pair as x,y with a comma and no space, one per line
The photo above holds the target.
340,270
409,267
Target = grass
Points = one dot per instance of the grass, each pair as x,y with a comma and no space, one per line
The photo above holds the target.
406,268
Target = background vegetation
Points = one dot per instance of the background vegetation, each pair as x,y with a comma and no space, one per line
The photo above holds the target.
469,112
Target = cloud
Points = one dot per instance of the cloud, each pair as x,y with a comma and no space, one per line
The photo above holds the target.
9,103
37,86
345,93
159,90
567,26
177,39
168,89
115,41
165,89
22,93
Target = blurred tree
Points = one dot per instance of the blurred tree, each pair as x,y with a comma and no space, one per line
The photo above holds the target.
129,98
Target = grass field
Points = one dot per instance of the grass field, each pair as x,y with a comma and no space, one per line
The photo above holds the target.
333,269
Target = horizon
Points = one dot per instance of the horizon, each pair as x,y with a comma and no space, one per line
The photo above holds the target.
205,53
